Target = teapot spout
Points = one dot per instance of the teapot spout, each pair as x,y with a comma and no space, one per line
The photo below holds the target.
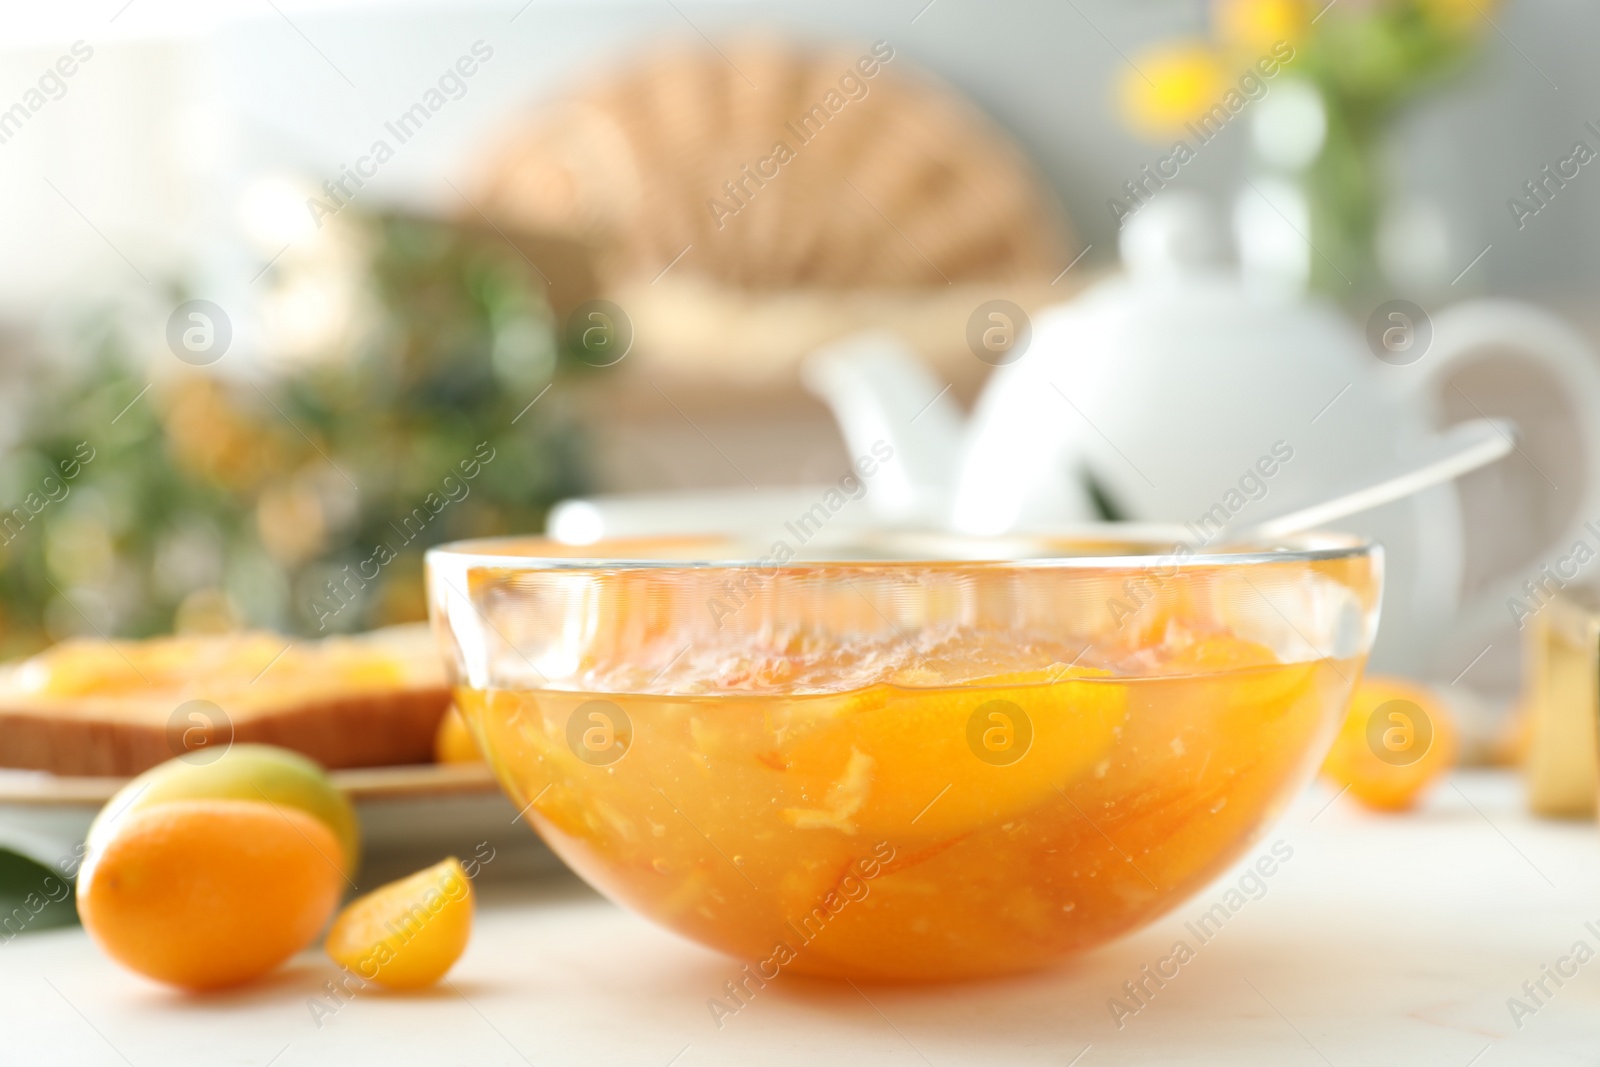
895,415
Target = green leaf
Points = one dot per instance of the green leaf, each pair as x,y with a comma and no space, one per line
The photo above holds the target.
32,897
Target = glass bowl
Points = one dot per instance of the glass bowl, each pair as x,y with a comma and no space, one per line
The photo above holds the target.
903,757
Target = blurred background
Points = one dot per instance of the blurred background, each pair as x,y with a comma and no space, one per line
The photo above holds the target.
283,268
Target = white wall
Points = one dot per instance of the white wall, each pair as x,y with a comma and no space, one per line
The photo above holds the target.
183,105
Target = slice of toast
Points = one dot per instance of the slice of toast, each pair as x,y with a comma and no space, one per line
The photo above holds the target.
94,707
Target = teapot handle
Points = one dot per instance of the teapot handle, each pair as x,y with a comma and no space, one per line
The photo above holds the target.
1464,330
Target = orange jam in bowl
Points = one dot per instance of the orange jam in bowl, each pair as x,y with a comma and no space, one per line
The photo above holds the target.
893,767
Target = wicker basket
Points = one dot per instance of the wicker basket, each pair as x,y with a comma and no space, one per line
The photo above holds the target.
745,203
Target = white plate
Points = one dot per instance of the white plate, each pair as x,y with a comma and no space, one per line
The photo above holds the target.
410,817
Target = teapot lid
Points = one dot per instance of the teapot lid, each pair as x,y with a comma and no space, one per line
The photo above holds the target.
1174,235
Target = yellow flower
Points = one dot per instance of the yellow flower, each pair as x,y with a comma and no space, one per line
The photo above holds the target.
1170,85
1459,16
1254,26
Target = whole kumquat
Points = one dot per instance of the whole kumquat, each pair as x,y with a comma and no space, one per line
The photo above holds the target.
454,742
1396,739
244,772
204,894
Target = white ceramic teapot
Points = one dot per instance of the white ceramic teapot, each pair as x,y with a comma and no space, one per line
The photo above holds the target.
1181,394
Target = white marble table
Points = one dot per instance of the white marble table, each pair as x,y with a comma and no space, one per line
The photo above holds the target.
1381,941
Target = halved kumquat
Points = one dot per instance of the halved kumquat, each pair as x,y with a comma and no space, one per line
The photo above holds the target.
407,934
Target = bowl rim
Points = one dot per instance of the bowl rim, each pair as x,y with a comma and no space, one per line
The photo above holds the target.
1174,545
